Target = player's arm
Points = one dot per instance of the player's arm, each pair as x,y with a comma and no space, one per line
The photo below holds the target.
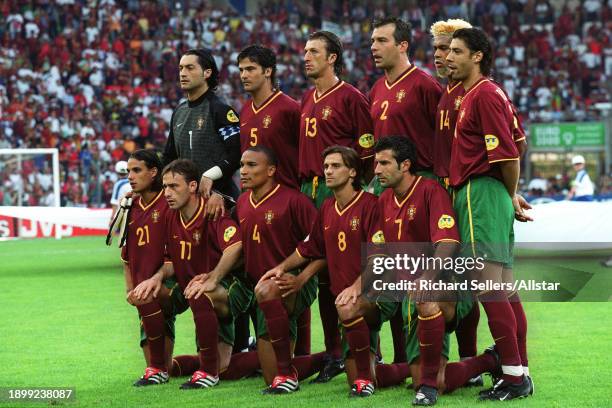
128,277
153,285
292,262
231,257
289,283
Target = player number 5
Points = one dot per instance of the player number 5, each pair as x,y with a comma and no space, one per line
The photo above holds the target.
253,141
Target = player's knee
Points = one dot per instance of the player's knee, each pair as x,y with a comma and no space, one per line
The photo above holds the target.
426,309
348,311
267,290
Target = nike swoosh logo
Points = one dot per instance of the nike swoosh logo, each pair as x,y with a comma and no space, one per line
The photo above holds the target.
179,124
424,345
387,219
363,348
504,397
499,338
375,102
242,124
175,236
327,227
242,220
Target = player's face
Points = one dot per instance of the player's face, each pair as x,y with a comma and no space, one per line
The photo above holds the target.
337,174
252,75
191,74
387,170
140,176
441,45
255,170
177,191
461,61
385,50
316,60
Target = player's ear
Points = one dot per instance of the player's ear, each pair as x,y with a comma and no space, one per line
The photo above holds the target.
477,57
193,186
352,173
207,73
268,72
332,58
405,166
271,170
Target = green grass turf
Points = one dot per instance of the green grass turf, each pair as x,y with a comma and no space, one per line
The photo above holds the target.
65,323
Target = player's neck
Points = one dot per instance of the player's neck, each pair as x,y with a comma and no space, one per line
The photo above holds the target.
474,77
260,192
148,196
262,94
344,194
191,207
394,73
325,83
194,94
402,188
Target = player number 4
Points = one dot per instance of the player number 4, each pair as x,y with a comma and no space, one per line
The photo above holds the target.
256,235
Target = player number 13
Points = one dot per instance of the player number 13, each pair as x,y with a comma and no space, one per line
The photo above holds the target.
311,127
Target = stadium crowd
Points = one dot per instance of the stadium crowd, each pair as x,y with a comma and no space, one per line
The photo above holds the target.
98,79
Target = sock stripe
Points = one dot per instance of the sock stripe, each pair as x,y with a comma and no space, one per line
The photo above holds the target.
152,314
435,316
354,322
175,361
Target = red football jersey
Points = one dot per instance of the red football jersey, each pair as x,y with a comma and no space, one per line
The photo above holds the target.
196,245
446,118
276,125
483,133
425,214
338,117
407,107
272,227
338,234
146,240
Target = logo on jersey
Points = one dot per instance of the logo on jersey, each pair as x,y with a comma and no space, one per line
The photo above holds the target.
411,212
446,221
354,223
229,233
200,123
491,141
326,112
378,237
366,140
401,94
196,237
231,116
269,216
458,102
266,121
155,216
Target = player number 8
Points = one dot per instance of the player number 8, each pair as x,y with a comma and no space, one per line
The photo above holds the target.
341,241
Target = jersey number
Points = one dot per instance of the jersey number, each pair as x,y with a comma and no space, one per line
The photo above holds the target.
311,127
341,241
256,235
253,141
399,228
444,121
143,235
185,250
384,105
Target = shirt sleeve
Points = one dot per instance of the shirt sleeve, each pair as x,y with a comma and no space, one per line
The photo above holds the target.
227,232
359,113
227,124
373,229
496,122
313,246
170,153
442,219
304,212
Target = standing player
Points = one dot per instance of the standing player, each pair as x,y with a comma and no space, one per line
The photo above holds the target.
344,222
143,256
484,172
333,113
273,220
203,253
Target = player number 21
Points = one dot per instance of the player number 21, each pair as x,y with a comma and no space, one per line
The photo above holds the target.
311,127
185,250
143,235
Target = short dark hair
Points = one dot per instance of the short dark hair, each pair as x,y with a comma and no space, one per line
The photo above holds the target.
269,153
401,148
151,159
403,29
351,160
185,168
206,61
476,40
333,45
260,55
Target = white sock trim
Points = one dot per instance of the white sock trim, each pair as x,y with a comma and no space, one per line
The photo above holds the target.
515,371
526,370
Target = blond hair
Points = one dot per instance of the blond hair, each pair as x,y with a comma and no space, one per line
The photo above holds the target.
448,27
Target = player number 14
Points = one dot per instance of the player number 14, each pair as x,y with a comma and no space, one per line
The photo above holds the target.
444,121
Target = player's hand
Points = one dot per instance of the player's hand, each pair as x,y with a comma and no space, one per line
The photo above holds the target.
206,184
520,205
195,285
274,273
214,207
349,295
146,288
289,284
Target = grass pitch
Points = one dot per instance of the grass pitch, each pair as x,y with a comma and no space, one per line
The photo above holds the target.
64,323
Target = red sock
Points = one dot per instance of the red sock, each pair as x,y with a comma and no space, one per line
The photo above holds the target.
502,325
207,333
308,365
521,327
184,365
154,326
302,343
399,340
329,320
241,365
388,375
430,332
458,374
277,323
466,333
358,339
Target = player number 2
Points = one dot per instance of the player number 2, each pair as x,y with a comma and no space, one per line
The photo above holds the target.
186,250
341,241
256,235
384,105
143,235
444,121
253,141
399,228
311,127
